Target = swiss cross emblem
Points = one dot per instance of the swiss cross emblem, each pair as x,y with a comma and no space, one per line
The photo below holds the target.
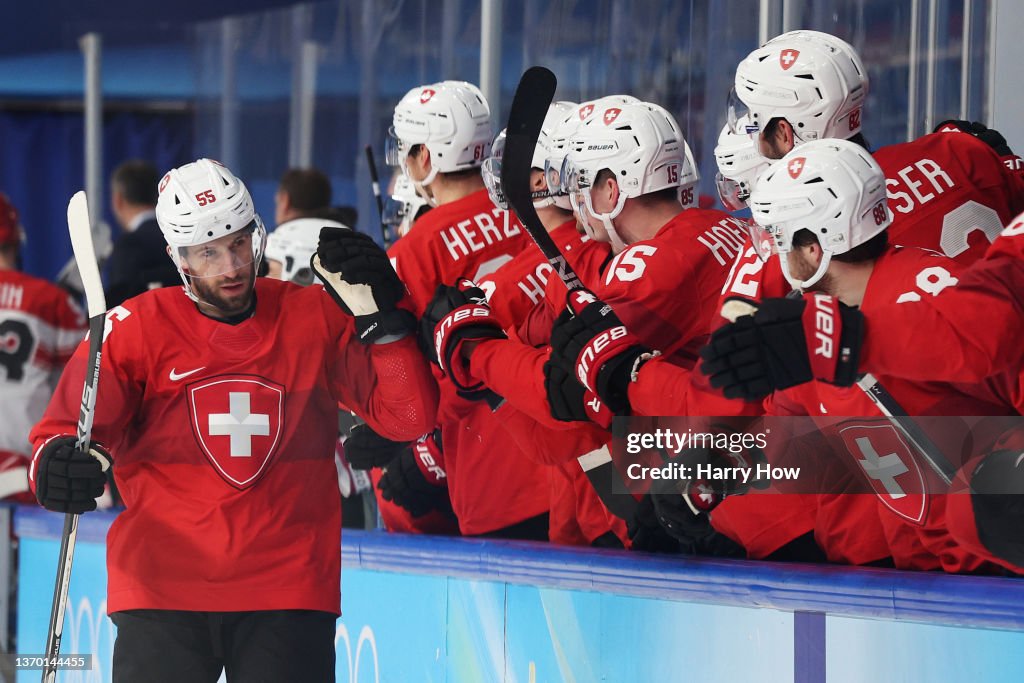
610,115
787,58
796,167
887,463
237,422
586,111
426,94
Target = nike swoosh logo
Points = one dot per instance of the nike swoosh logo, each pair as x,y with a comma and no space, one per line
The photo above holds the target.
176,376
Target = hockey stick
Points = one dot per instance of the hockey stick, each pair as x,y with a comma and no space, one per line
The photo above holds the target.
375,183
530,104
907,427
85,255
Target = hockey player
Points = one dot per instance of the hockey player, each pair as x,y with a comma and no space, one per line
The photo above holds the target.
516,295
439,139
404,206
218,409
828,217
625,168
40,326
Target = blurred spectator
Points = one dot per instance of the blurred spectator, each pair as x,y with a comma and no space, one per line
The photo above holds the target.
301,192
40,327
139,261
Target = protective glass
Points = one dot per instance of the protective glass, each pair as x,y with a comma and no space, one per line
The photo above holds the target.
554,173
395,150
737,110
227,254
734,195
490,170
763,239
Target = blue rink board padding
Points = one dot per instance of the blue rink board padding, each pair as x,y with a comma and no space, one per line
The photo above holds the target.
459,610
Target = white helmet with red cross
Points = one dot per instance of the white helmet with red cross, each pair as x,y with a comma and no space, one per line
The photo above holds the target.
814,80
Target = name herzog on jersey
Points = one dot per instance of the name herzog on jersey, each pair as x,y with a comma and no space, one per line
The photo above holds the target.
466,238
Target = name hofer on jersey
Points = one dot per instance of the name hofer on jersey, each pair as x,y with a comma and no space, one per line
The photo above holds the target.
708,472
477,233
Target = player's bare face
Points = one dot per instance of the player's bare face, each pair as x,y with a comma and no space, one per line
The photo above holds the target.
222,274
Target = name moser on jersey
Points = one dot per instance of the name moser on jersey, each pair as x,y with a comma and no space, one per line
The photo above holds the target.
948,191
218,406
835,244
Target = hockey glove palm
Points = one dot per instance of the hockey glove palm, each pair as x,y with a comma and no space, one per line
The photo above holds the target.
68,479
780,343
359,277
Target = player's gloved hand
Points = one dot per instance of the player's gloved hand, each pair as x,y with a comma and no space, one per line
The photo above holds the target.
359,277
570,401
646,533
694,533
780,343
455,319
70,480
997,498
366,449
597,349
416,481
993,138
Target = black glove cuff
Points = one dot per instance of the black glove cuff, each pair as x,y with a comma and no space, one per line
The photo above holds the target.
850,343
614,378
385,326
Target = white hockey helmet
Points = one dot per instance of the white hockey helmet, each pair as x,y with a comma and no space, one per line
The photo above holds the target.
642,146
451,119
558,143
832,188
201,202
814,80
491,168
293,244
739,164
402,207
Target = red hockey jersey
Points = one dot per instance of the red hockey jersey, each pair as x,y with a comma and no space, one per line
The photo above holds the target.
223,443
466,238
913,524
40,326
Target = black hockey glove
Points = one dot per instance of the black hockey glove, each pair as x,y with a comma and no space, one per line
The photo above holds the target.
70,480
570,401
359,277
411,483
597,349
992,138
366,449
693,532
456,315
997,497
646,533
780,343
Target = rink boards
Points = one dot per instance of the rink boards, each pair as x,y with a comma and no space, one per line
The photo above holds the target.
430,609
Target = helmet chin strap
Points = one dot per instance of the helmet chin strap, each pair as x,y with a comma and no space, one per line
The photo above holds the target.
826,258
618,246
